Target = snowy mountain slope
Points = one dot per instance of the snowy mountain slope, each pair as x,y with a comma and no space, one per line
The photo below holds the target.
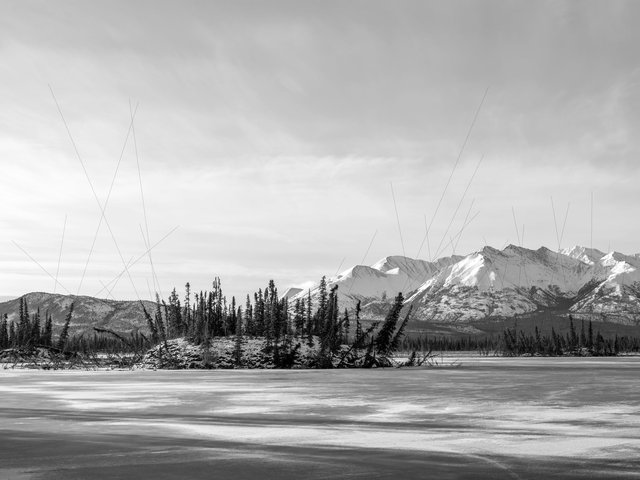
584,254
499,283
291,292
513,267
384,279
416,270
617,294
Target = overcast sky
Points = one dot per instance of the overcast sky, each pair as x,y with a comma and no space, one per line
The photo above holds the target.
271,132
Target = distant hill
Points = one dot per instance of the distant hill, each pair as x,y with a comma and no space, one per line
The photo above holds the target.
121,316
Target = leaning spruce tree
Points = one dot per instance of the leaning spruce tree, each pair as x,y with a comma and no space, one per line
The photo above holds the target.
384,337
64,335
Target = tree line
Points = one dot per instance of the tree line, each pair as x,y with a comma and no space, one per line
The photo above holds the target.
341,338
574,342
514,341
31,330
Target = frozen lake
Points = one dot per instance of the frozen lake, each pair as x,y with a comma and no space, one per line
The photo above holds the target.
491,418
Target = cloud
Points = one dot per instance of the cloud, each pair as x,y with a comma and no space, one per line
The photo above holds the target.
271,132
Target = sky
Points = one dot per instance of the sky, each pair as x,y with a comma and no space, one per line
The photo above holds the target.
288,140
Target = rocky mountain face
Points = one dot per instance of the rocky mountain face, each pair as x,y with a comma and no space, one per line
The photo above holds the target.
121,316
495,283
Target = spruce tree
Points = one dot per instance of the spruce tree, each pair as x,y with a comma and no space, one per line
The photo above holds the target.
384,336
329,338
34,337
346,325
26,326
309,320
248,318
287,325
62,340
303,309
24,329
4,332
187,309
21,320
13,341
270,313
298,317
155,338
232,319
259,313
238,345
395,342
162,331
321,313
200,312
48,331
358,335
173,315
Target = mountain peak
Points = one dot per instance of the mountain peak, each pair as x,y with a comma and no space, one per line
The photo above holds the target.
512,247
587,255
291,292
394,261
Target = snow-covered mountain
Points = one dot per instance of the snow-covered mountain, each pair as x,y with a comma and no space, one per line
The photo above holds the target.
615,289
499,283
382,280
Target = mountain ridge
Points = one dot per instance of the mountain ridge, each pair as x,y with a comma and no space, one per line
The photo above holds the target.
488,283
461,290
89,312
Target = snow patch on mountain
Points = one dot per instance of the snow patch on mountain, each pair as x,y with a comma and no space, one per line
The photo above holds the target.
291,292
590,256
